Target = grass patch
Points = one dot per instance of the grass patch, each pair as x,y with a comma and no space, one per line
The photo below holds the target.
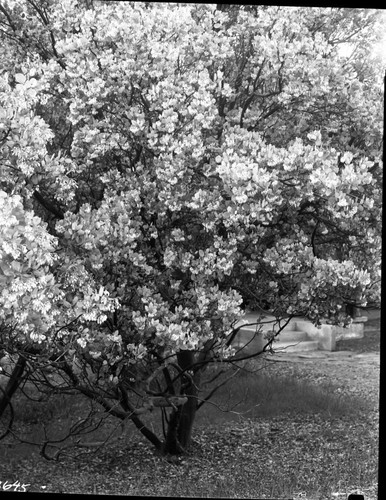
265,394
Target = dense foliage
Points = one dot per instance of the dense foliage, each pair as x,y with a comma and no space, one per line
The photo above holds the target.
163,165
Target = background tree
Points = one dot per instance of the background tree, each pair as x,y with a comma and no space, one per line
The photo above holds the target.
161,164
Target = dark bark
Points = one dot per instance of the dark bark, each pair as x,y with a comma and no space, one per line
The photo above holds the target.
138,422
179,432
113,409
48,205
13,383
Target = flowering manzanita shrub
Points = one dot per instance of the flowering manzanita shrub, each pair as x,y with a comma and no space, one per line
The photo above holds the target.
161,165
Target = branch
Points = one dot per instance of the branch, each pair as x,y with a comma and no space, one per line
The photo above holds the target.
227,410
45,20
13,383
12,417
218,374
48,205
313,238
9,19
215,389
138,422
266,347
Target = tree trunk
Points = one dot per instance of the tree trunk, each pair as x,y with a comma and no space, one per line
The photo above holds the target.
13,383
179,432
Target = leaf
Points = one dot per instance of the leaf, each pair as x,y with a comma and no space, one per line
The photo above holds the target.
16,266
20,78
6,270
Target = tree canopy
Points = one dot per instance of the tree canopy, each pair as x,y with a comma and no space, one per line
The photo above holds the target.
163,165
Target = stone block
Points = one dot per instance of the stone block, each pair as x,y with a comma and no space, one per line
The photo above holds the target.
323,334
250,339
353,331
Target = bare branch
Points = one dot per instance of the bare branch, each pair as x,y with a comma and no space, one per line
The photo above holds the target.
215,389
48,205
